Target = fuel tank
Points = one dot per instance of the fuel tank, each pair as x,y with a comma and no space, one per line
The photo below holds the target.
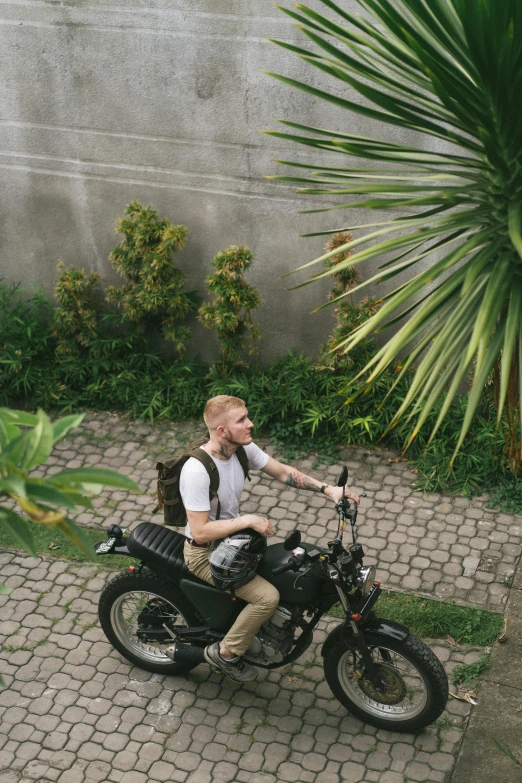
302,591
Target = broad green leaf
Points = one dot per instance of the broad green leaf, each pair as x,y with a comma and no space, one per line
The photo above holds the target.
37,444
19,528
78,536
104,476
81,500
13,485
62,426
18,417
93,489
8,433
41,492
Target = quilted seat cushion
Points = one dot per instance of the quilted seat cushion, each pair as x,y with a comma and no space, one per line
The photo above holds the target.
160,548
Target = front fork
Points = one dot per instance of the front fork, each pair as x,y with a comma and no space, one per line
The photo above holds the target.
366,656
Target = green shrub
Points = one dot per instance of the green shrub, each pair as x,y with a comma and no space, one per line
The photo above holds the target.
76,318
469,673
230,314
507,496
300,404
27,370
348,314
154,294
85,356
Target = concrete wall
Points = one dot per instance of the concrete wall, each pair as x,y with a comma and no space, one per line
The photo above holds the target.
159,100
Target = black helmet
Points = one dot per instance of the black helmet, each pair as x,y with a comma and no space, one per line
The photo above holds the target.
234,559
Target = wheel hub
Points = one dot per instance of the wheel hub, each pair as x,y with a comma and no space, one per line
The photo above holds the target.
151,620
391,689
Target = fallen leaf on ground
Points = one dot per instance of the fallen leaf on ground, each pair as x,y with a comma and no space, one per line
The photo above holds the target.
54,546
503,634
466,697
451,641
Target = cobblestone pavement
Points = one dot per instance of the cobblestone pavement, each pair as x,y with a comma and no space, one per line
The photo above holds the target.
76,711
437,545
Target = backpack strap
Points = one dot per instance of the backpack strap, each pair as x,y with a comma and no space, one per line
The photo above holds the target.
243,461
213,473
210,466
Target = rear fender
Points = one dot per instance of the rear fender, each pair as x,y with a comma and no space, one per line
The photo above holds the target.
343,633
112,547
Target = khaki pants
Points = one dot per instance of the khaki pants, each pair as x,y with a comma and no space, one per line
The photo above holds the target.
262,600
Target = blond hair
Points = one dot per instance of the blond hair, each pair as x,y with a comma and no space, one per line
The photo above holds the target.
216,409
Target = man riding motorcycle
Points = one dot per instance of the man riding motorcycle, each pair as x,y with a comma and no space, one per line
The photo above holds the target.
212,520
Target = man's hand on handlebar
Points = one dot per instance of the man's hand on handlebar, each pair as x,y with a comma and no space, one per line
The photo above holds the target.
336,494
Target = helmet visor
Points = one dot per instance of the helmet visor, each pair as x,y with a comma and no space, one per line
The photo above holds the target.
227,557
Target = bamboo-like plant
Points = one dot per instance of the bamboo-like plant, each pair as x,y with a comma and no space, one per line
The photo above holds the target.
75,319
348,314
230,314
452,70
154,292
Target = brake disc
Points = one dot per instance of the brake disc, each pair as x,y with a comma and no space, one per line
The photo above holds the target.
392,688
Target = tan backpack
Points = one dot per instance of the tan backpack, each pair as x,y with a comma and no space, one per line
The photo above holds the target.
169,472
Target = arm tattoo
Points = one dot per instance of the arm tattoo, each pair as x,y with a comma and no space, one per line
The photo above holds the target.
300,481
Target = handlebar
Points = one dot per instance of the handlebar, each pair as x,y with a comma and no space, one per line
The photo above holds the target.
286,567
294,564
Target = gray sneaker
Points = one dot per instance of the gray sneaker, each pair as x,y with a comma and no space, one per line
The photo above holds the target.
235,668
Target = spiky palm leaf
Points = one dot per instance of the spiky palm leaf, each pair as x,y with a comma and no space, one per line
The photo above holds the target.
451,69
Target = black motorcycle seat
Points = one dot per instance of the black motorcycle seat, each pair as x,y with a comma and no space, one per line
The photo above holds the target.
162,549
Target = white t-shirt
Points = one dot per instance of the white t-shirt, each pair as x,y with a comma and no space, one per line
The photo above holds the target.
194,485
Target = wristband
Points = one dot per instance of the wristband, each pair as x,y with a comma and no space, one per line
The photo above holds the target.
323,487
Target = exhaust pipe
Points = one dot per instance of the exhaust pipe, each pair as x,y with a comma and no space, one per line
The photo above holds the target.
186,653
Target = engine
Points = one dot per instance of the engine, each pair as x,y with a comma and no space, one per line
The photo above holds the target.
275,638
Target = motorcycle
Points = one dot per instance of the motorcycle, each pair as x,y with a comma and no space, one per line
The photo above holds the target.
160,617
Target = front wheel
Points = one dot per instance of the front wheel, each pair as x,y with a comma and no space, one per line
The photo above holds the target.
414,687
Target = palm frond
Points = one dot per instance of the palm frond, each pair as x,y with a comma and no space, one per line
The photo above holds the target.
451,70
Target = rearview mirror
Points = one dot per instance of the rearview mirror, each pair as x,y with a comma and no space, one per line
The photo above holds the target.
292,540
343,478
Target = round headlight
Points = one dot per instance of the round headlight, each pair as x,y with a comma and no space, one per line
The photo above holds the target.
366,578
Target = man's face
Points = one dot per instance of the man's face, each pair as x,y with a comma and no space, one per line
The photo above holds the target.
238,427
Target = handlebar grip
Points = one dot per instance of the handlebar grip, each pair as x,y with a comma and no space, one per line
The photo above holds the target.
287,567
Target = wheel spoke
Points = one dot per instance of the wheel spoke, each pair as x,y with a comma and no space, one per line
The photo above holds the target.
125,613
402,681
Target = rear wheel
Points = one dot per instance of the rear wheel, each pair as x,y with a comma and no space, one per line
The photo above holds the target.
133,609
413,690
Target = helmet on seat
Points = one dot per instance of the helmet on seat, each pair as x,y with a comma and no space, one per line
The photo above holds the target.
234,559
